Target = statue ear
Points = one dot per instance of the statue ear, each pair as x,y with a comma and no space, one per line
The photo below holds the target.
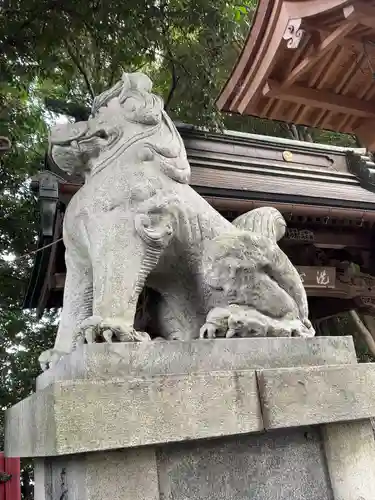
126,84
281,228
140,82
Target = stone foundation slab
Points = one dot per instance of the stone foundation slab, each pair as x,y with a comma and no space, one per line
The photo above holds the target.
177,421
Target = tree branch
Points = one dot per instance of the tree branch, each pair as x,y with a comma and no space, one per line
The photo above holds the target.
173,87
80,68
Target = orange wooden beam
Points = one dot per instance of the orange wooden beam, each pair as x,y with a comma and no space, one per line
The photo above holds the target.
252,45
319,99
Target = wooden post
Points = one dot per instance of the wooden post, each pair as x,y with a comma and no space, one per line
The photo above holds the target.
10,489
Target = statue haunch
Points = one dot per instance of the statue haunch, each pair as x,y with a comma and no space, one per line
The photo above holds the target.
136,222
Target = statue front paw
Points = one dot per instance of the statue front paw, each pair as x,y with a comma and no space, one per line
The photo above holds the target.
90,330
207,331
246,322
305,330
216,323
96,329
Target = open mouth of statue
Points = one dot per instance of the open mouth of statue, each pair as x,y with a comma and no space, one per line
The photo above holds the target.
100,136
77,134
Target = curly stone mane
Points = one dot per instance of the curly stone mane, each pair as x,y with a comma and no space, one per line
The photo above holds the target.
159,137
126,116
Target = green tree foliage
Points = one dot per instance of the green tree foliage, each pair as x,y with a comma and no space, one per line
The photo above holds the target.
22,121
21,336
78,49
57,55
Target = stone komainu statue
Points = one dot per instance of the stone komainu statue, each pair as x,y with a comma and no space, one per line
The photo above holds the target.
137,222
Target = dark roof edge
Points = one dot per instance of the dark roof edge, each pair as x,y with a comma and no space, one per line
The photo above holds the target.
266,140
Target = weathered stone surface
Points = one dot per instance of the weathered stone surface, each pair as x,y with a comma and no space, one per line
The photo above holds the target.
105,361
118,475
315,395
262,467
137,223
91,415
30,425
350,453
155,393
271,466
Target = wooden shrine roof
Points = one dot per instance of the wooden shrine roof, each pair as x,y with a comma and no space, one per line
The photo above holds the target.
238,171
309,62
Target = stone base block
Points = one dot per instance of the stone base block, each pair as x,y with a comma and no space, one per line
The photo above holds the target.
146,359
276,465
110,396
115,475
349,449
227,419
83,416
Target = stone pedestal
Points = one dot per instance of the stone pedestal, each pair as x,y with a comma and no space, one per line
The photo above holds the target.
259,419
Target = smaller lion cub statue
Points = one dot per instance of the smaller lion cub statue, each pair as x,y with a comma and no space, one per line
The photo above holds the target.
262,292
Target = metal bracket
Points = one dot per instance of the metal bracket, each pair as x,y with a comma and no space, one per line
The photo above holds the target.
4,477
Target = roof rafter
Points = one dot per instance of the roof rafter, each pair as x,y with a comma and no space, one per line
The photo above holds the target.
315,98
324,48
332,40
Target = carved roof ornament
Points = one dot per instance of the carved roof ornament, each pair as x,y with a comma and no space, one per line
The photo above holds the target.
325,81
363,167
293,33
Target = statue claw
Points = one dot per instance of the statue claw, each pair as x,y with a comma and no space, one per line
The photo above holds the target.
90,335
96,327
307,323
123,333
230,333
140,336
306,333
108,335
207,331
